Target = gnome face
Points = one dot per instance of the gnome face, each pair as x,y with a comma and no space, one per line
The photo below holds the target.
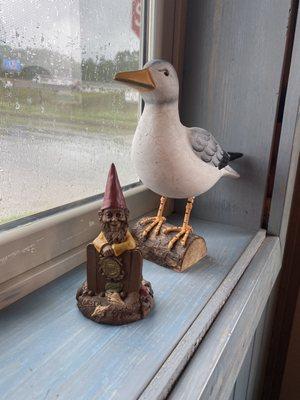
114,225
114,213
115,217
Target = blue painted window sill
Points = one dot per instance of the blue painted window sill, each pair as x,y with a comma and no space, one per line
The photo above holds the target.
49,350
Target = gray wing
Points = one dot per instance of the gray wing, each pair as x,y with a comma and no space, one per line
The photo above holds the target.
207,148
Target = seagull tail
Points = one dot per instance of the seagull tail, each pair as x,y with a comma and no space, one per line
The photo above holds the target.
234,156
228,171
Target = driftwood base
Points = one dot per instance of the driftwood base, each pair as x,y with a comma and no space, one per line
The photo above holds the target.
110,308
155,248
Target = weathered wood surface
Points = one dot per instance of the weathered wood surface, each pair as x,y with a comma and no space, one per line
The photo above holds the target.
261,350
288,290
155,248
231,396
289,148
255,374
169,372
214,367
247,385
241,383
44,333
232,71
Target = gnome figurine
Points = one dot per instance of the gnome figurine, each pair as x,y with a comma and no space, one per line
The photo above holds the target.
115,292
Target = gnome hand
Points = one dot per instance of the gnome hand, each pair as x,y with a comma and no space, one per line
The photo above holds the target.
107,250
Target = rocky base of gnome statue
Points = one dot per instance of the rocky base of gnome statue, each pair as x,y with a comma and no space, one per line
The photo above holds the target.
115,292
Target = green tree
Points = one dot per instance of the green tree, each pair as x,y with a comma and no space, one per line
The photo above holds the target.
103,70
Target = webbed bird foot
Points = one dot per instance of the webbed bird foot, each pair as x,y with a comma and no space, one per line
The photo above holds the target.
156,222
183,233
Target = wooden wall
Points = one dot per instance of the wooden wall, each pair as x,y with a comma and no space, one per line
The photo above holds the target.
290,389
231,79
232,86
249,384
289,147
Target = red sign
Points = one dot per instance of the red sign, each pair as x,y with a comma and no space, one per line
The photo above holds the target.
136,17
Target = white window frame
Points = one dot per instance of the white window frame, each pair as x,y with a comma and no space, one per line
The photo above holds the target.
38,252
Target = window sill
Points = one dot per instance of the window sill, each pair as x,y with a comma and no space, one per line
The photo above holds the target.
34,254
216,364
49,348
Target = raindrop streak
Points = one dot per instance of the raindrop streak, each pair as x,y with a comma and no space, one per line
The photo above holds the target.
63,119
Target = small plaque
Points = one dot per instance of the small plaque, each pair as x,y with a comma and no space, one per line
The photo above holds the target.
111,268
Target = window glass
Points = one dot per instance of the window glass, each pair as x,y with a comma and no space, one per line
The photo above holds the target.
63,119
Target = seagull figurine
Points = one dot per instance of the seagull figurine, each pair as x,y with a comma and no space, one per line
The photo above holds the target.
171,159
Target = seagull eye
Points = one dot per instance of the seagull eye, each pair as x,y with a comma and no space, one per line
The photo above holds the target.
166,72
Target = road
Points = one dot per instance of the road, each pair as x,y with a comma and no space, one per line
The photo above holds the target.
41,170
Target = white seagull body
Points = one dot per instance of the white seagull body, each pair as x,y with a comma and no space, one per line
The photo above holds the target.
169,158
165,156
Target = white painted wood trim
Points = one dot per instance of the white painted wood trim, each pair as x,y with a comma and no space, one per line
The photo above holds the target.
213,370
163,381
34,254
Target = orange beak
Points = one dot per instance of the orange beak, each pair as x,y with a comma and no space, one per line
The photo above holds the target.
140,79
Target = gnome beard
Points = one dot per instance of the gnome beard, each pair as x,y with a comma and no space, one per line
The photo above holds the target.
113,236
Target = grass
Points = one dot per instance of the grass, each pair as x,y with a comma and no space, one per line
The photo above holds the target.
45,106
13,217
57,110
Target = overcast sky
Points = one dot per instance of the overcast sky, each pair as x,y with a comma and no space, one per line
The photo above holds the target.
87,28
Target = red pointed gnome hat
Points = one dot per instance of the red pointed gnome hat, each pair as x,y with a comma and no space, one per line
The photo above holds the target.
113,196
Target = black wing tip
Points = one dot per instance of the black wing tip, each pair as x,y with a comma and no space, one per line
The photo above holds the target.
228,157
224,160
234,156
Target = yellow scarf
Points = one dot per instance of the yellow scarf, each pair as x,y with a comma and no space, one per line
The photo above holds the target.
118,248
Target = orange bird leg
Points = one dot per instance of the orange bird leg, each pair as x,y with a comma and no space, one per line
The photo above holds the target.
185,229
156,221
